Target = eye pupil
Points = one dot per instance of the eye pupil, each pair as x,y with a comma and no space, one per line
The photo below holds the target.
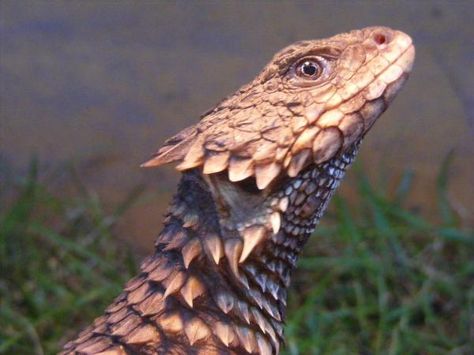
309,68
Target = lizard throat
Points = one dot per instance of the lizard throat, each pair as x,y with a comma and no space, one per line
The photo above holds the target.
245,262
262,251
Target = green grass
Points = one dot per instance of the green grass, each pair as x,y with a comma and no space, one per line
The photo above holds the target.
59,262
377,278
384,280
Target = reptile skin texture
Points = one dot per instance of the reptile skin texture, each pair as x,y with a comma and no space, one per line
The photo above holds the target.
258,171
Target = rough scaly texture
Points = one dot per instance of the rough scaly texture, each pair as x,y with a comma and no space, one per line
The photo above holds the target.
258,172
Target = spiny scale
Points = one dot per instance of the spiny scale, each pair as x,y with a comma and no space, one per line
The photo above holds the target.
258,172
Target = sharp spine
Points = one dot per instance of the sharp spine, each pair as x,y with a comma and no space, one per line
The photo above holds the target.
252,237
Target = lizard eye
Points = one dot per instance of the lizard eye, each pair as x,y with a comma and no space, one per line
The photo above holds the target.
310,68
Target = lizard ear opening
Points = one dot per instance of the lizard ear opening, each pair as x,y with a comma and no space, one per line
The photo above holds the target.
174,148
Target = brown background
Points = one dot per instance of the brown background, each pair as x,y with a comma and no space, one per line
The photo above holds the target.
103,83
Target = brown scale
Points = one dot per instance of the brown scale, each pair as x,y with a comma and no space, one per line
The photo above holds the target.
258,172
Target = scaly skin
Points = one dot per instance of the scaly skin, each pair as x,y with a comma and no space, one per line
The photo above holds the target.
258,172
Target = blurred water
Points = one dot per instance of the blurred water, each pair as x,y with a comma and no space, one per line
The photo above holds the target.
104,83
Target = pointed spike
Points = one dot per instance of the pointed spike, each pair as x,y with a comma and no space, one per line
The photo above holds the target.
247,338
190,251
282,295
326,144
251,268
192,289
213,244
153,161
298,162
224,332
273,287
275,220
265,174
264,324
240,169
305,139
264,346
252,237
215,162
271,309
351,127
256,296
270,331
281,153
177,280
261,280
277,347
278,327
195,329
188,296
233,251
189,164
225,301
194,156
243,280
173,149
259,319
244,310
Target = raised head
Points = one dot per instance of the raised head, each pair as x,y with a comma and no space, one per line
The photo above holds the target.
305,113
312,102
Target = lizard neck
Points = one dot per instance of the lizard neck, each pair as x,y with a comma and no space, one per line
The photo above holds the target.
217,282
235,261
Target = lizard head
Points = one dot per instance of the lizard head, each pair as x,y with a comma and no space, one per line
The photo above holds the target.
309,104
273,152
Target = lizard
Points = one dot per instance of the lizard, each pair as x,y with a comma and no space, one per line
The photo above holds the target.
258,171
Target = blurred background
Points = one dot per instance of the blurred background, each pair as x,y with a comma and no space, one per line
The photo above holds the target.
89,90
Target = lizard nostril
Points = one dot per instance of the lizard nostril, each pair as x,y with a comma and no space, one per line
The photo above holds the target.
381,38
